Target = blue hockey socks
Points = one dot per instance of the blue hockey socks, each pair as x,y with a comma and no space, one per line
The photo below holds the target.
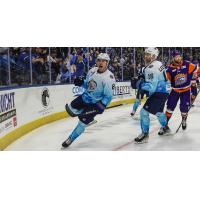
162,118
80,128
144,121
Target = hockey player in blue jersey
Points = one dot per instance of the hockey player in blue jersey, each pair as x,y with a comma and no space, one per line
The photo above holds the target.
98,94
158,86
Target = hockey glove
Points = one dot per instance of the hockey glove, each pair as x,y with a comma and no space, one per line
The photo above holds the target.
141,76
100,107
78,81
139,84
134,82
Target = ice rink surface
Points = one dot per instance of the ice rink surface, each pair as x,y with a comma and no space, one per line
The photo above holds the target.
114,131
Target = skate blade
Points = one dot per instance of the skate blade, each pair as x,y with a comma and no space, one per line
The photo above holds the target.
142,142
92,123
135,117
167,134
63,148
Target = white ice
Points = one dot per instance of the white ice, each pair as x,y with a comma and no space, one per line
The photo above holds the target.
115,130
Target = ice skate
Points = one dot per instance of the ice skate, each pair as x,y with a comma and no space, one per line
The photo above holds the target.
66,143
184,125
142,138
164,131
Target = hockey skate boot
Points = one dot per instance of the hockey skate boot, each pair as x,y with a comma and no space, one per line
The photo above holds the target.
164,130
184,124
66,143
142,138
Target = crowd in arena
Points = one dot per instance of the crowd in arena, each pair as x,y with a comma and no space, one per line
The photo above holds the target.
63,64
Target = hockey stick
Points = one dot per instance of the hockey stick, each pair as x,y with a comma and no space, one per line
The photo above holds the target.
188,112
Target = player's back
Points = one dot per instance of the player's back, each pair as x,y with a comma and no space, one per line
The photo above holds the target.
154,72
156,76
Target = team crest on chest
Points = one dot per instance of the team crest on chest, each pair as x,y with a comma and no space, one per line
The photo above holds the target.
180,79
92,85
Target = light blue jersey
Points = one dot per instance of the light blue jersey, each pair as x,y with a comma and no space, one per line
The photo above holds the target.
155,82
98,87
155,78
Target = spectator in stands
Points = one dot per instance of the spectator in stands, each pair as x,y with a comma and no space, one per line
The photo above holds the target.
67,71
67,62
3,67
55,62
80,67
92,58
73,57
38,62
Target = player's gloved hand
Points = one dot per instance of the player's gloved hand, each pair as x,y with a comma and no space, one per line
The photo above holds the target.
141,76
139,84
140,93
134,82
78,81
100,107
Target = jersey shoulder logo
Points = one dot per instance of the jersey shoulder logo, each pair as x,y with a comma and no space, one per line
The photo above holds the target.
111,76
161,68
92,73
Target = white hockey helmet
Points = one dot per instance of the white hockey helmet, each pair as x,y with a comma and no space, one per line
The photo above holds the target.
153,51
103,56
